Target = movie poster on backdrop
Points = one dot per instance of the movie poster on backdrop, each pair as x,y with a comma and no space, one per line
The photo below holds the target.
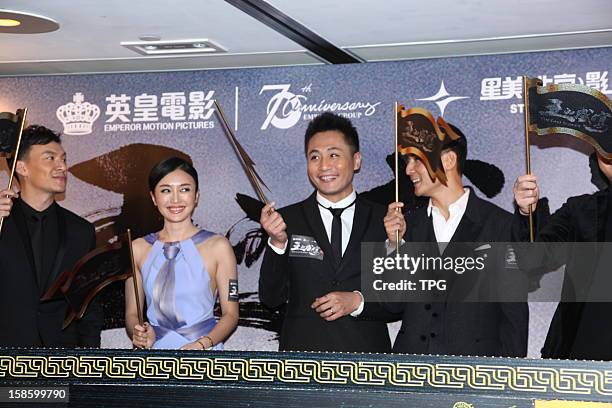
116,126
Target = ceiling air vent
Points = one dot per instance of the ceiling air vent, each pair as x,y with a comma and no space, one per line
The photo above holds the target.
177,47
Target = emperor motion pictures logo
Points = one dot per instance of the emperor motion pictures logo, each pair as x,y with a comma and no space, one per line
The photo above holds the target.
142,112
285,108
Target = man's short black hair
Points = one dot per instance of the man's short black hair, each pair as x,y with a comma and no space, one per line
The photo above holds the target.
598,177
330,121
458,146
35,135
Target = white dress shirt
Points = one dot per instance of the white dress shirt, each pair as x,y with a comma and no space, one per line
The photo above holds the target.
326,216
443,228
347,226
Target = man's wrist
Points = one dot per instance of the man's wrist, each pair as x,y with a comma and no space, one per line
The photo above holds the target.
278,244
359,309
278,250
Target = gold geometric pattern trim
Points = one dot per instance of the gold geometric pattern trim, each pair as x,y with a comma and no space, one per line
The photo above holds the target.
305,371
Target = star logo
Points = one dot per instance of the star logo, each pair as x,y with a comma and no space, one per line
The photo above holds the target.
442,98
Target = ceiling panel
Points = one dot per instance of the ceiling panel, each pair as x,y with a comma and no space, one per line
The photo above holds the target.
399,51
365,22
91,31
149,64
95,28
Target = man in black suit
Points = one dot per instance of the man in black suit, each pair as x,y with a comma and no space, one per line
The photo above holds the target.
455,215
312,262
579,330
40,240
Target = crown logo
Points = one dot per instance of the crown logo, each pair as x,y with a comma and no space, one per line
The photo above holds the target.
78,116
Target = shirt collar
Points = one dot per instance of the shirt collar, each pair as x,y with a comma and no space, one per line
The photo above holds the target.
340,204
31,212
459,205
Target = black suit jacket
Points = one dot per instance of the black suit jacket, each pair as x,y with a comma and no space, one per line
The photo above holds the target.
452,327
24,320
296,279
578,330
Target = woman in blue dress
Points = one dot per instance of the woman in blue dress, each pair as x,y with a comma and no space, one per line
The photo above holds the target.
181,270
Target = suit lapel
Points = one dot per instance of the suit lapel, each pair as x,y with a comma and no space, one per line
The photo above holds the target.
61,249
469,230
312,216
600,217
22,229
419,231
469,227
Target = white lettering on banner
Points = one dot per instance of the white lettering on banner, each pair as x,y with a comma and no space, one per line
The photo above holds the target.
508,87
285,109
122,127
143,112
145,108
158,126
599,81
490,89
546,80
118,107
291,107
195,125
173,105
565,79
496,88
201,106
512,87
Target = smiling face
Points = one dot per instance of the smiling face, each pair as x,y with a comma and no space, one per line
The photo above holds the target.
176,197
43,169
424,186
331,164
417,172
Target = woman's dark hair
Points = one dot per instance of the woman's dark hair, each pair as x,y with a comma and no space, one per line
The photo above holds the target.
167,166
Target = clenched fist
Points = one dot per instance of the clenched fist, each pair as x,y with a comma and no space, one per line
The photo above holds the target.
526,193
395,221
273,223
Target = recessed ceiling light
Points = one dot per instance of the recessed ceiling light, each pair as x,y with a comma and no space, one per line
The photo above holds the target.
176,47
149,37
20,22
9,22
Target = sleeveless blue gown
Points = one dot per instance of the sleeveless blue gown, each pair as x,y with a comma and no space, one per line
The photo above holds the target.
180,302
